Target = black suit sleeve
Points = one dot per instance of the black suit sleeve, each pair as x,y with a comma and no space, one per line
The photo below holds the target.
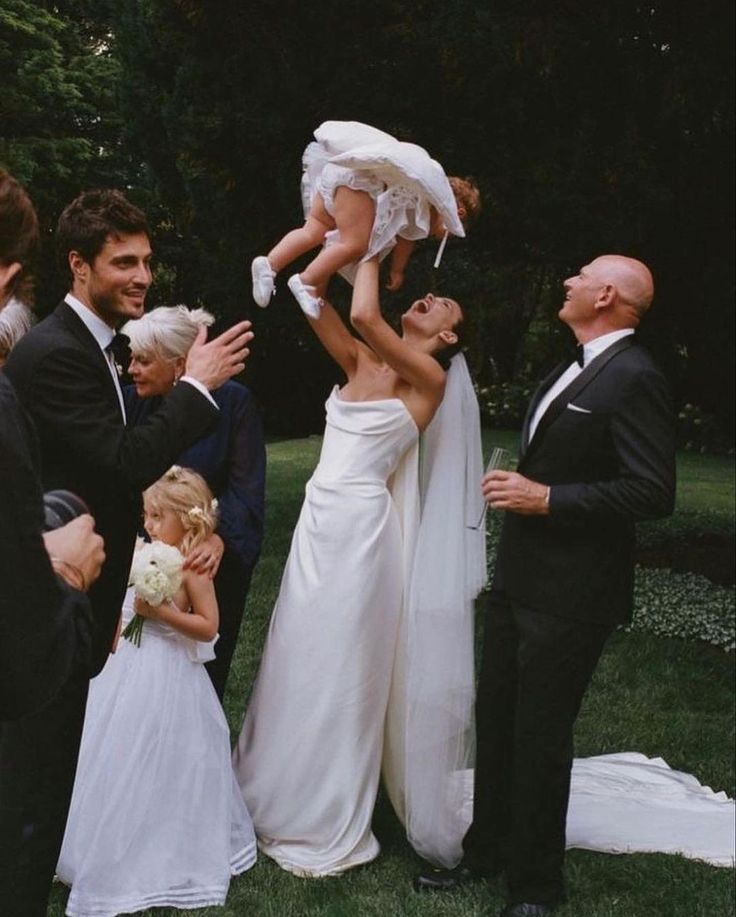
241,502
642,432
44,625
71,404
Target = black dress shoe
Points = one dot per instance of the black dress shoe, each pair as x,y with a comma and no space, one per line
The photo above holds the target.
444,880
527,910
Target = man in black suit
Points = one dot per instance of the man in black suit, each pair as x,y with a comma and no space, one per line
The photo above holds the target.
44,614
64,373
597,455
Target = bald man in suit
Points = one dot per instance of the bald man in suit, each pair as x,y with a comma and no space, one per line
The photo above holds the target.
597,456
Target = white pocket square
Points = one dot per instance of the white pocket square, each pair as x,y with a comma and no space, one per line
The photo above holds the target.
574,407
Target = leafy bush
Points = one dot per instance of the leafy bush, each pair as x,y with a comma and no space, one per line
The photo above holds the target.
503,404
684,605
695,542
698,431
669,604
683,528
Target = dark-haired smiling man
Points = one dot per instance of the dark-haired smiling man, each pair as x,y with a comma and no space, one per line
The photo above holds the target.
65,374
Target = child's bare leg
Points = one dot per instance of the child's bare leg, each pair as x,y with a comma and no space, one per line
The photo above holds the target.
304,239
354,214
295,243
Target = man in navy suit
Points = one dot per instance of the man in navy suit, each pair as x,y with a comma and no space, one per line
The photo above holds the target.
65,376
597,456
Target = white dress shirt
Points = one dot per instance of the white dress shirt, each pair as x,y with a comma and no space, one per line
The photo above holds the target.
103,334
590,350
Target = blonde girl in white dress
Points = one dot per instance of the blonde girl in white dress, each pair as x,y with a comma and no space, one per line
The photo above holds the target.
156,818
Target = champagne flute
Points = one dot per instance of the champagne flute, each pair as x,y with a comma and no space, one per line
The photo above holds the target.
500,459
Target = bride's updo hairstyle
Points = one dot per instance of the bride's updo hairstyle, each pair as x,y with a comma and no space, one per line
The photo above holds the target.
185,493
167,331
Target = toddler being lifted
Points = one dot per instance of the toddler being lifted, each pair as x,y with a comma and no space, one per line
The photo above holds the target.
364,194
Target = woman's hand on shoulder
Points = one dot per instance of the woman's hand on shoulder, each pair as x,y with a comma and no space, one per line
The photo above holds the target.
205,558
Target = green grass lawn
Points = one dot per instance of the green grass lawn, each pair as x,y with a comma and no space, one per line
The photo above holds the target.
658,696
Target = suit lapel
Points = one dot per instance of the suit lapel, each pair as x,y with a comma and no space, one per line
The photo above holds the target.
576,386
543,386
74,324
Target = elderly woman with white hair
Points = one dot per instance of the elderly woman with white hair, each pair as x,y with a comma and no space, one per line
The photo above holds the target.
15,319
231,459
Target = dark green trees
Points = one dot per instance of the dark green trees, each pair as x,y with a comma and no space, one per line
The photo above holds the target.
589,128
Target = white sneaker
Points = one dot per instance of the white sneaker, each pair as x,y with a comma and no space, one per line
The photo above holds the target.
263,276
310,304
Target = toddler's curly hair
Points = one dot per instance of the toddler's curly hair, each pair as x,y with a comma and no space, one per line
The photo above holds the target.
467,195
185,493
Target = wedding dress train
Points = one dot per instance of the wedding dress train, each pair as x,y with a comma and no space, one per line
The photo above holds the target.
629,803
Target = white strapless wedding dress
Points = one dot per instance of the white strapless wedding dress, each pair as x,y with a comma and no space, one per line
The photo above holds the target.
309,755
327,701
156,817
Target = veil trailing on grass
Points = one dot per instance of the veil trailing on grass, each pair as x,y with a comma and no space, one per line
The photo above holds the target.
430,739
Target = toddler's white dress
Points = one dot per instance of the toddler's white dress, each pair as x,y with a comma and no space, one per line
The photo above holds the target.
403,180
156,816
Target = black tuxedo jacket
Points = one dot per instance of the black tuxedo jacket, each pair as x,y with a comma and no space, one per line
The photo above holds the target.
44,624
64,382
606,446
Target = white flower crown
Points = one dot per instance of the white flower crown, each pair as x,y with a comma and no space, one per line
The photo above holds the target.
197,512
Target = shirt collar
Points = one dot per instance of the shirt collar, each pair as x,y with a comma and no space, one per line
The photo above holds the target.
595,347
101,332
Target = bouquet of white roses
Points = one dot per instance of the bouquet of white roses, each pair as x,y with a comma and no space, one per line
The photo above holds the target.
156,575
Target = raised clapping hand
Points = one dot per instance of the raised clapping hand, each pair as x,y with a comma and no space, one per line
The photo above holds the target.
511,491
214,362
206,557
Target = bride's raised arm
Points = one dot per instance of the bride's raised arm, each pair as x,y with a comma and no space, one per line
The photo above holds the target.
419,369
336,339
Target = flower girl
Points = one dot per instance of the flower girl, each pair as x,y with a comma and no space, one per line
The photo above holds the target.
156,817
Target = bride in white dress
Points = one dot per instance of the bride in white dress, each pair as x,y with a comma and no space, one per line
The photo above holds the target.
335,693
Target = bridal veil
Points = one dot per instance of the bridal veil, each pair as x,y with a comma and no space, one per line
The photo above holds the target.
430,740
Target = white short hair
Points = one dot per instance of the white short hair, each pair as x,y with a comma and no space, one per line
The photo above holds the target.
15,319
167,331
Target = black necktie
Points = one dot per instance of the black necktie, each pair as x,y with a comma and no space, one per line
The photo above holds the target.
580,355
119,347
